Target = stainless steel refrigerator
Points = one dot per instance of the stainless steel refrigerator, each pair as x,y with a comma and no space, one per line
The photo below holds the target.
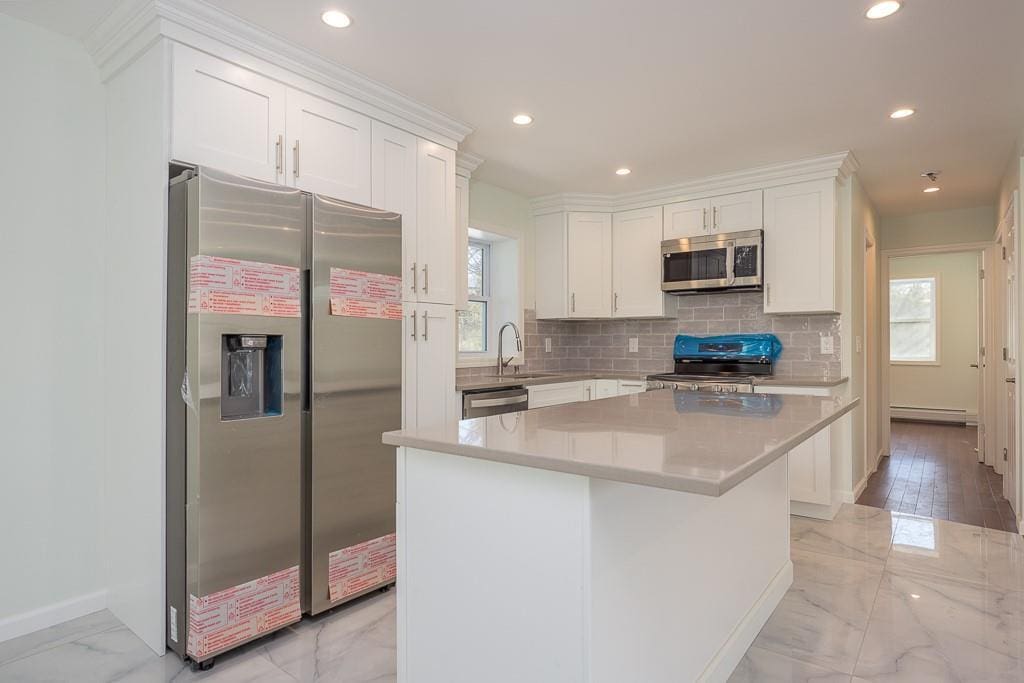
284,367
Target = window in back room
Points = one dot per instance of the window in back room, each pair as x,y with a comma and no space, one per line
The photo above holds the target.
913,320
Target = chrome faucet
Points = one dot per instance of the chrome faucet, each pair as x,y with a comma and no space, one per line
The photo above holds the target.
502,362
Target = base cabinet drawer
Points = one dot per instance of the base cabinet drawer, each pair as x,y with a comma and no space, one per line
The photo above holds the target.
556,394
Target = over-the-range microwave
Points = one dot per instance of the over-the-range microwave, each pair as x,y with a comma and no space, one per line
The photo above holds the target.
733,260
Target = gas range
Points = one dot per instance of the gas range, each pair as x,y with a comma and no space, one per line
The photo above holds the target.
725,364
732,384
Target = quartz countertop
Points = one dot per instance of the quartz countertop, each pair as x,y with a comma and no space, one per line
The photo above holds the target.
687,441
801,381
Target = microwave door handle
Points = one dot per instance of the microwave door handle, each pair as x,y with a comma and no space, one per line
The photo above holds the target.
730,263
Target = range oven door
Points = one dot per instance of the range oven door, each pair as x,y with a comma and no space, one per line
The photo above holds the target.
726,261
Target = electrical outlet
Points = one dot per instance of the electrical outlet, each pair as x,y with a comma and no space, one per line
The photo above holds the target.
547,344
634,344
827,346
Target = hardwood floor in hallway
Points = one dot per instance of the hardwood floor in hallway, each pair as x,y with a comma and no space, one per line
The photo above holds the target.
933,471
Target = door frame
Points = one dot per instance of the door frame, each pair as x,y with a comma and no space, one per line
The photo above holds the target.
884,391
998,376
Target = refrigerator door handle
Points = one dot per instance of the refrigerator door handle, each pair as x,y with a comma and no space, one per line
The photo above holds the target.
413,316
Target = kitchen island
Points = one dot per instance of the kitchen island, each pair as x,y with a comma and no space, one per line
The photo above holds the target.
637,538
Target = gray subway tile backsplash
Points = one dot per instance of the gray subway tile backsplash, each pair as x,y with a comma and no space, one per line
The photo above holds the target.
585,345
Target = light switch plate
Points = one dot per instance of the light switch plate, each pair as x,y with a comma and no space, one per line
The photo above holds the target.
634,344
547,344
827,346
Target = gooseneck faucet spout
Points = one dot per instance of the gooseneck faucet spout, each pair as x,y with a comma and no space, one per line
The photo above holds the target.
502,361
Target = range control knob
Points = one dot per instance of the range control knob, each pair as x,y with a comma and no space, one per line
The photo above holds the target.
694,387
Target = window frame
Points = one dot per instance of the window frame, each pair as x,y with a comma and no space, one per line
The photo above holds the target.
484,298
935,320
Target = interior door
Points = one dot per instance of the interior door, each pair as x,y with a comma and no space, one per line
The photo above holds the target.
1010,332
984,419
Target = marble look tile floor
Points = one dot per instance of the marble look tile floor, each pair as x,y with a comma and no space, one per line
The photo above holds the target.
877,596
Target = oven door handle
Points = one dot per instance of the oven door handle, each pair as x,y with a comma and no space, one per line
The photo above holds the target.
730,262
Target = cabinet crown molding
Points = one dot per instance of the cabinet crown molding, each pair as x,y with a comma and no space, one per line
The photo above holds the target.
134,25
840,165
466,163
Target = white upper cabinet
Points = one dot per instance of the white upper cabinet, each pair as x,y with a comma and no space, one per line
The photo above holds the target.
549,266
461,242
393,188
328,149
636,264
589,264
800,248
435,223
687,219
737,212
227,117
726,213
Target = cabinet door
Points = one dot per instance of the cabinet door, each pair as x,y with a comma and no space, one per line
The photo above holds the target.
435,222
461,242
329,149
606,388
736,212
810,470
687,219
799,248
227,117
636,264
430,364
589,246
549,266
393,188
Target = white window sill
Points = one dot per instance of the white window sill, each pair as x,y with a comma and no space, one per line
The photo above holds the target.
932,363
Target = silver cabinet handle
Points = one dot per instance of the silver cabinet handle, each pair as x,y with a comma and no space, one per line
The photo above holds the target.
615,306
490,402
279,153
413,316
714,218
704,218
574,302
425,274
768,293
295,159
413,269
424,326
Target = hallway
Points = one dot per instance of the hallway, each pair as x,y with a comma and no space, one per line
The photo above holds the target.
933,472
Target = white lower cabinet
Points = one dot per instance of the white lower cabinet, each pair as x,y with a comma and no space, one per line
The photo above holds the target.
604,388
631,386
811,464
544,395
429,333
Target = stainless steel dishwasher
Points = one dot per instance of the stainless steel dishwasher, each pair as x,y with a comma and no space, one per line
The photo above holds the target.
484,402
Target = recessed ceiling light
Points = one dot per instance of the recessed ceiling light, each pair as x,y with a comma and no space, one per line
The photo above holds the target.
336,19
522,119
931,189
901,113
881,10
623,171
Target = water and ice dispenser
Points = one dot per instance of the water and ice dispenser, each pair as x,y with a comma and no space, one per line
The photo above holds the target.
250,376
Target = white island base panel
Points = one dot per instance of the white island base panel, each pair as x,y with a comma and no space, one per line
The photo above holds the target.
510,574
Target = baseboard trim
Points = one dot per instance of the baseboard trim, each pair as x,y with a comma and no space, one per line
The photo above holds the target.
742,637
51,615
825,511
943,415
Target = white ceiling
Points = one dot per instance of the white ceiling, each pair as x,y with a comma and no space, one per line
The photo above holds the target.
679,89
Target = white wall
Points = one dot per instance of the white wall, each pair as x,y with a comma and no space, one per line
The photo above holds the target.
492,207
51,273
953,384
956,226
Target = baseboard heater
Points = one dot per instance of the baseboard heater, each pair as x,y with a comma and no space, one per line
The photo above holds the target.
947,415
